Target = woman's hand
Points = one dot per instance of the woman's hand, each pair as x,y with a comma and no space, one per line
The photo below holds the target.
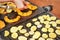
21,4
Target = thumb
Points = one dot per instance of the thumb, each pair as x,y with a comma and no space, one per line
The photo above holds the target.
19,4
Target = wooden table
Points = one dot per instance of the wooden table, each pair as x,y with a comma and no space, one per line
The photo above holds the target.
55,3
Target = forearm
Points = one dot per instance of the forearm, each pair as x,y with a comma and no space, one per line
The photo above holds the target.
5,0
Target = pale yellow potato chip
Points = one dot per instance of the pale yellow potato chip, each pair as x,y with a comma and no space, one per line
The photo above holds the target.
44,16
57,32
44,35
58,21
41,38
14,35
6,33
22,38
54,24
47,26
53,18
52,35
58,27
33,28
26,34
37,23
46,22
13,29
36,35
40,17
31,39
44,30
50,30
31,32
28,24
23,31
34,19
50,39
20,27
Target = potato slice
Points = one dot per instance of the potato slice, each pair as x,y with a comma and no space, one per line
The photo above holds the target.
34,19
58,27
23,31
50,39
20,27
6,33
41,38
28,25
54,24
57,32
37,23
31,32
44,35
52,35
46,22
31,39
40,17
13,29
33,28
44,16
58,21
26,34
14,35
47,26
50,30
36,35
44,30
22,38
53,18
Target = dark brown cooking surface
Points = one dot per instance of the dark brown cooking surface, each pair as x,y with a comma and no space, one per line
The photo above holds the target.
36,12
25,20
55,3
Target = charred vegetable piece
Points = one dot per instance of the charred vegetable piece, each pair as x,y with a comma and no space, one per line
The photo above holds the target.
31,7
2,10
23,13
11,20
2,24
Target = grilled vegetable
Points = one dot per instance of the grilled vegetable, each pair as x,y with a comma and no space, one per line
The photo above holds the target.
11,20
2,24
23,13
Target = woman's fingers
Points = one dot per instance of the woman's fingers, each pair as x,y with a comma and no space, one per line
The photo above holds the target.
19,4
25,2
25,7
